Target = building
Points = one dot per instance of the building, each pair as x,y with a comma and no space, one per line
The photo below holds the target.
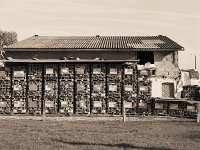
86,74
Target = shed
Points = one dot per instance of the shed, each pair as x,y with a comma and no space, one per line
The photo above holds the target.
85,74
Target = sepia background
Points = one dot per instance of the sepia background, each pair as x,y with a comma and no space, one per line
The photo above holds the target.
177,19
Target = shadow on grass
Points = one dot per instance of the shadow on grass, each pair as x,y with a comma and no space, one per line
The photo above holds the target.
120,145
192,135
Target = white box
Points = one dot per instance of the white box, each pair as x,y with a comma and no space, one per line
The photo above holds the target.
17,87
49,70
113,71
113,88
191,108
20,74
3,104
64,104
49,103
128,88
17,104
64,70
97,104
96,70
128,104
128,71
112,104
82,103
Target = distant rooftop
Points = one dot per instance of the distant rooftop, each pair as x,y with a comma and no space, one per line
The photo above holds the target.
95,42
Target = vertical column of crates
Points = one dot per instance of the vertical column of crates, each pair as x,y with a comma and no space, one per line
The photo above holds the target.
98,88
144,92
5,90
19,82
51,88
34,88
82,88
130,88
114,87
66,88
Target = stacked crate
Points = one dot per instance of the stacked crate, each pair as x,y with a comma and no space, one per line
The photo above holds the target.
191,92
66,88
19,85
176,108
190,110
51,88
82,89
130,87
114,87
159,107
5,90
98,88
34,88
144,91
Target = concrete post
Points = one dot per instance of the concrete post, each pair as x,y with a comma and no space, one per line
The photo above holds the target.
124,112
198,112
43,113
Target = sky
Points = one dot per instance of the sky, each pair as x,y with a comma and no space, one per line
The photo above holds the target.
177,19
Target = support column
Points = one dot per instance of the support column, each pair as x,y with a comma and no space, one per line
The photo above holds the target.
198,112
124,111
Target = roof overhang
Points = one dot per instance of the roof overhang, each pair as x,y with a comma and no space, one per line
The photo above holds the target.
81,49
66,61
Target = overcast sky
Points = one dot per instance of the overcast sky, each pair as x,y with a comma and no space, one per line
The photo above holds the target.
177,19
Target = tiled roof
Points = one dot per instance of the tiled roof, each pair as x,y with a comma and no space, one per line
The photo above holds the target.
96,42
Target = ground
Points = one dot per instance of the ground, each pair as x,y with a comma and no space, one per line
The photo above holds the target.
111,134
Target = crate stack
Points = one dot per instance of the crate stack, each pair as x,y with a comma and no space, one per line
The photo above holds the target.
66,88
51,88
159,107
190,110
114,84
98,88
130,81
34,88
176,108
144,91
19,85
82,89
5,90
191,92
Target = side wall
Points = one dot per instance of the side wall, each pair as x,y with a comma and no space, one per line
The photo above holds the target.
171,56
167,64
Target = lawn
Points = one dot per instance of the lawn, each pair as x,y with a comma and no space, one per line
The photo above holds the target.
100,134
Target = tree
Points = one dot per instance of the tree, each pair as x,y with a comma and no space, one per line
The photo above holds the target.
7,38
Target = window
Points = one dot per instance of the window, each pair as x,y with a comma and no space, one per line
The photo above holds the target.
145,57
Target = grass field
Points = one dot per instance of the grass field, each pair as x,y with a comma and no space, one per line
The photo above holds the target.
111,135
